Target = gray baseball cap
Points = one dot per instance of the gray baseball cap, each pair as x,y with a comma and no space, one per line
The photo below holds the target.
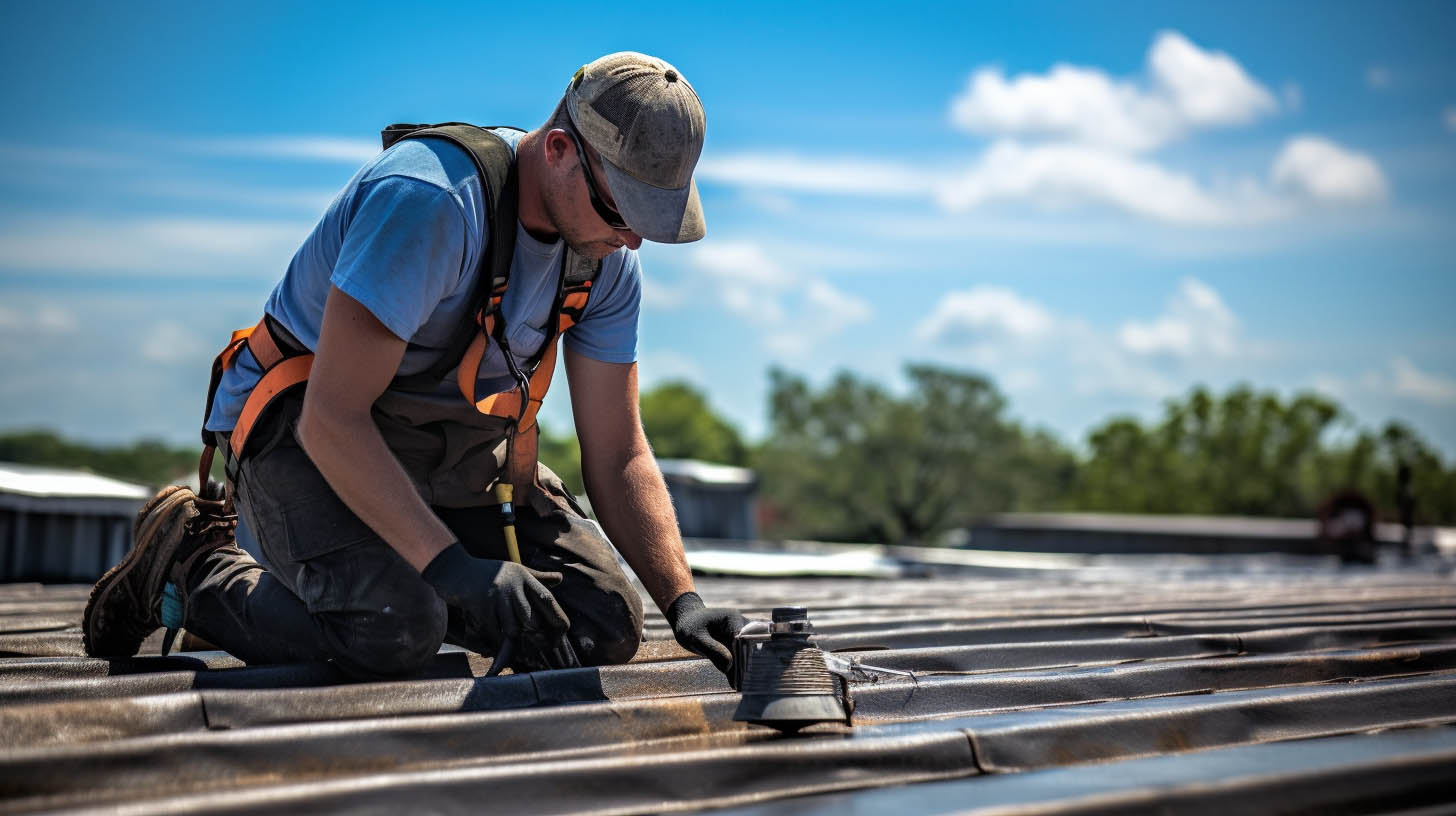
647,123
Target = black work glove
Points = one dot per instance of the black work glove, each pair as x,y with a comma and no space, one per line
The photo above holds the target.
499,600
705,631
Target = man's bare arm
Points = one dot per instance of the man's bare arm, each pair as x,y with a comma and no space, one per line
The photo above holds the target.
356,359
622,479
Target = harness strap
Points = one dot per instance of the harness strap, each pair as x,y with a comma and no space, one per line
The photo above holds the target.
283,369
276,380
496,166
508,403
264,346
285,364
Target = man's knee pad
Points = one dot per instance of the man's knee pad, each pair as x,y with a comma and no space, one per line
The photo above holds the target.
609,632
398,639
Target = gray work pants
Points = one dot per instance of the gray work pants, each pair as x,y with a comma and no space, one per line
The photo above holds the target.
334,590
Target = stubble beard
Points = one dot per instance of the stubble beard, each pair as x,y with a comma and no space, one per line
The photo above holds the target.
575,237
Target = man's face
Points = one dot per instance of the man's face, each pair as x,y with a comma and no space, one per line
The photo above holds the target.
569,205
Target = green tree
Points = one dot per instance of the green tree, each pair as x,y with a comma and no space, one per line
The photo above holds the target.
1251,453
855,462
562,454
147,462
1371,463
1245,453
681,425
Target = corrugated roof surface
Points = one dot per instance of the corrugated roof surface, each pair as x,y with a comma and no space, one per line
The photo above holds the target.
1247,685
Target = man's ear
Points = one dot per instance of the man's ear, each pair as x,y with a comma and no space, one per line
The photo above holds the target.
558,147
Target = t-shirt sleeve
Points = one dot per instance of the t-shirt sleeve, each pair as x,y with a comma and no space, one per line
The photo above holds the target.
402,252
608,330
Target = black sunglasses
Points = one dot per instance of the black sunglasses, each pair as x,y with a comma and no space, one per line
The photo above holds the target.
609,215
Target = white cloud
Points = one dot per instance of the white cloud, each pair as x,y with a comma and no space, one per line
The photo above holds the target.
833,306
1449,118
1309,170
103,355
791,313
150,245
1196,323
1330,385
1063,176
770,202
21,328
1027,346
741,261
1052,177
1209,88
1080,104
68,157
1320,170
46,319
1408,381
292,148
1293,96
1019,380
1378,77
312,201
747,280
821,313
657,295
663,366
1188,88
170,342
1095,125
985,312
852,176
54,320
1099,368
1401,378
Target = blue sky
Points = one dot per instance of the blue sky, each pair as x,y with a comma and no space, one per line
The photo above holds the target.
1098,205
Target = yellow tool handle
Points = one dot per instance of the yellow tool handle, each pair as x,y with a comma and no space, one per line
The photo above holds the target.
503,495
564,655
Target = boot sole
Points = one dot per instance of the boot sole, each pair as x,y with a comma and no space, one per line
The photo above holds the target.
143,540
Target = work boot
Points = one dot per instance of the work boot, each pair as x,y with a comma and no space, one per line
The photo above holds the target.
144,592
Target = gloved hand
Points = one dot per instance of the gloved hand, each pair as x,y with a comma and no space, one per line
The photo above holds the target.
500,600
705,631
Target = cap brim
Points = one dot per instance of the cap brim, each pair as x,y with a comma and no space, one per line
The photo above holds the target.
655,213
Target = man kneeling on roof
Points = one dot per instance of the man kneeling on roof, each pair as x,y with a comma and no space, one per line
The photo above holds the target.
423,314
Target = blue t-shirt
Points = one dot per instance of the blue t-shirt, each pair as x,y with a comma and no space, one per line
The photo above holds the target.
404,239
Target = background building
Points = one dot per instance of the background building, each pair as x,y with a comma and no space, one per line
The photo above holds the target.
712,501
63,525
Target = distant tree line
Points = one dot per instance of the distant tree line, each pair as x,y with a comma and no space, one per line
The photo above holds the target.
852,461
149,461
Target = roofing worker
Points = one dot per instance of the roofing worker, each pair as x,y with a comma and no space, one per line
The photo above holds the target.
423,312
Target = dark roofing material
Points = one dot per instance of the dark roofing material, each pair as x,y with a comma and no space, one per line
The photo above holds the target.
1212,684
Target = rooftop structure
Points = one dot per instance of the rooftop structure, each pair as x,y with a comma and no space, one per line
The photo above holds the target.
1129,533
712,501
19,482
1067,683
63,525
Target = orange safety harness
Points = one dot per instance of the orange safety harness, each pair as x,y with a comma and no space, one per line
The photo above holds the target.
286,364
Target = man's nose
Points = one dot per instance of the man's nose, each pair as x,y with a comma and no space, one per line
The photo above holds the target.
631,239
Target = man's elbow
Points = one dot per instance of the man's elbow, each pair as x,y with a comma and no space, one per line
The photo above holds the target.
321,427
310,430
605,464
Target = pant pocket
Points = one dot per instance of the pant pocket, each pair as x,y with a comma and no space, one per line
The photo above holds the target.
297,501
322,526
